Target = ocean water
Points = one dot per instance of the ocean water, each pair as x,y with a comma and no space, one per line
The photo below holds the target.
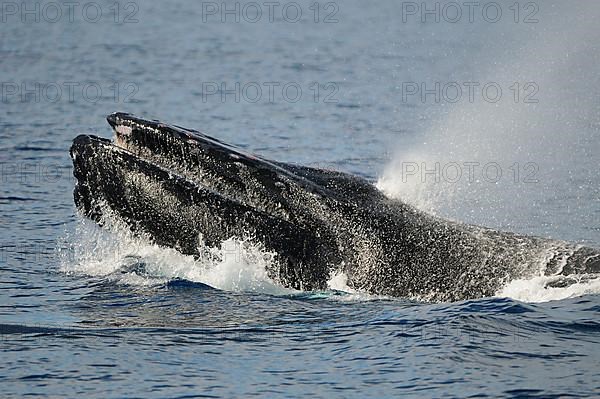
344,85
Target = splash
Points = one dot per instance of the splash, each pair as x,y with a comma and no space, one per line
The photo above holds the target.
554,288
114,253
541,156
509,164
338,283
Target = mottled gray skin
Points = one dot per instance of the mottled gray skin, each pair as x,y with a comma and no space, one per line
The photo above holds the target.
177,186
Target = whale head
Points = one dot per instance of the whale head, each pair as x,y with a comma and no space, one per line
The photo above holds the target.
178,186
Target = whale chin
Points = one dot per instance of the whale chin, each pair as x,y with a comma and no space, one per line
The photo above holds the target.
183,189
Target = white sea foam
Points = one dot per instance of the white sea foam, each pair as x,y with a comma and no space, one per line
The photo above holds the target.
114,253
537,289
339,282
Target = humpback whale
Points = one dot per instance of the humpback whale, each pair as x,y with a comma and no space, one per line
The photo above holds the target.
184,189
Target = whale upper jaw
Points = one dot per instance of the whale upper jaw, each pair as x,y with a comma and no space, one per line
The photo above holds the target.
234,173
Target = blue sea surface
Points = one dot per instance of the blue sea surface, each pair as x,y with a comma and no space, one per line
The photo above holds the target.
86,313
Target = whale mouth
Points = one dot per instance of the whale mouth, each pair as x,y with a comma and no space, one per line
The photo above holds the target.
188,157
178,186
230,171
